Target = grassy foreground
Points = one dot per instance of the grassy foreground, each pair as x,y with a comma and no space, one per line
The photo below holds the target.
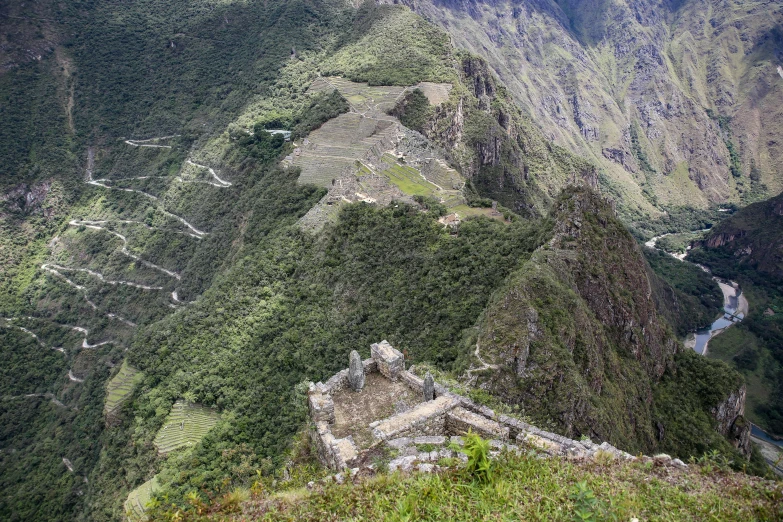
520,488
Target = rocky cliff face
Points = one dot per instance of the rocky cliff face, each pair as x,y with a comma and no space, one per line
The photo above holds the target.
751,238
731,420
640,87
575,335
495,145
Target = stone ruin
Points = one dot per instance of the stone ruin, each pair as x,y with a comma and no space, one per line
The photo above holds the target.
397,409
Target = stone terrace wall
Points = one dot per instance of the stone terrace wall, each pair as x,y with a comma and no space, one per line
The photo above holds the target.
448,414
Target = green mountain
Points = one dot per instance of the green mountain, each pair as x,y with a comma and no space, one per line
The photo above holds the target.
678,103
746,247
204,205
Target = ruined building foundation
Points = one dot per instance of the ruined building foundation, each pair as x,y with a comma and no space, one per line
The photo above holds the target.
394,409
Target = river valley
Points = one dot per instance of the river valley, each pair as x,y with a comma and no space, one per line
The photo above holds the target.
735,305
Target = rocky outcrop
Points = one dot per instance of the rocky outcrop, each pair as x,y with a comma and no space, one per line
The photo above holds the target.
575,337
27,199
498,147
731,421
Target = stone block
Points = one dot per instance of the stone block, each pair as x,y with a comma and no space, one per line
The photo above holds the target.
427,418
428,390
538,442
344,452
402,463
514,425
370,366
459,421
414,383
321,407
390,361
438,440
399,443
337,382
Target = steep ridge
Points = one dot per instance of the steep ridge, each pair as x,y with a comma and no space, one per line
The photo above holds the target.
574,337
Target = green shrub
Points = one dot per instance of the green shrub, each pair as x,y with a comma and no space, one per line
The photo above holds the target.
479,467
413,110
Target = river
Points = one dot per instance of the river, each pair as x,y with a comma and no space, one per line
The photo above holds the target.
735,305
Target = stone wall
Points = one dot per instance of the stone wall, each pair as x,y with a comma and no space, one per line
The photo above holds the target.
428,418
448,414
390,361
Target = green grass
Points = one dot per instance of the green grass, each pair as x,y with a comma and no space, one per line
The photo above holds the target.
529,488
138,499
407,179
121,386
185,426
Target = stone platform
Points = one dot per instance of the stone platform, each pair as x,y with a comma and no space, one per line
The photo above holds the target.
390,409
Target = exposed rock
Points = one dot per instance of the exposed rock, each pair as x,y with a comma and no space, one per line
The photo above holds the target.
731,420
356,372
429,387
390,361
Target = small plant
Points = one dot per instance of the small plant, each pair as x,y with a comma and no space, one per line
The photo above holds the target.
603,458
231,501
405,509
477,450
426,447
588,507
713,461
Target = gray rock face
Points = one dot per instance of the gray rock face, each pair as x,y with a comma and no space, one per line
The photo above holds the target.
429,387
356,372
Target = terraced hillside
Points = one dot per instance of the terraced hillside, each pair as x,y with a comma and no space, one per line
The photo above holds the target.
120,387
368,155
334,148
185,425
138,499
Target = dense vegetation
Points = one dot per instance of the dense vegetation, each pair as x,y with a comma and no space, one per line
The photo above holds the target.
261,316
689,299
413,110
323,107
255,293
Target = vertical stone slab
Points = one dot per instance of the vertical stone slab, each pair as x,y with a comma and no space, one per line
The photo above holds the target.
355,372
390,361
429,387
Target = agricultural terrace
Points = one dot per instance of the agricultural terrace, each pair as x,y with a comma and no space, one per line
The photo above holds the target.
138,499
185,425
121,386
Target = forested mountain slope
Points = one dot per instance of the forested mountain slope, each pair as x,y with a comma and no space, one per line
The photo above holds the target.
156,271
748,247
